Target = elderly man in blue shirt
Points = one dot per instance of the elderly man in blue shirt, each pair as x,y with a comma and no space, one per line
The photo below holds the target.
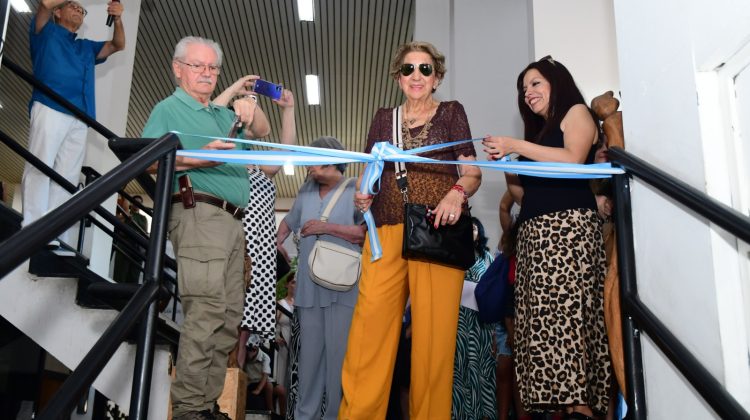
65,63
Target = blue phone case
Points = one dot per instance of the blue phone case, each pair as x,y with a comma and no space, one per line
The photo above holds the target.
269,89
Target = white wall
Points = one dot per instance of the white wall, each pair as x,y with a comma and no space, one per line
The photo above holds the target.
581,35
486,44
661,45
650,52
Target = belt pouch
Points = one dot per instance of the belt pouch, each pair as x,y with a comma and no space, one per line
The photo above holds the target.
186,191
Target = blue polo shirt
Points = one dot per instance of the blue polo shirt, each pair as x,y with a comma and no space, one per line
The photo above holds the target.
65,64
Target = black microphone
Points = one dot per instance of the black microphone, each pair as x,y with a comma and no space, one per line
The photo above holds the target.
111,18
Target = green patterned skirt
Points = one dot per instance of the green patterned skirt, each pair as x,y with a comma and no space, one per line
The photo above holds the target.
474,370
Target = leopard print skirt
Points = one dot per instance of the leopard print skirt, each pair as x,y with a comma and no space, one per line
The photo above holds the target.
560,341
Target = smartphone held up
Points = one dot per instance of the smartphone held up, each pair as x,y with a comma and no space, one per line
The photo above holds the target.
268,89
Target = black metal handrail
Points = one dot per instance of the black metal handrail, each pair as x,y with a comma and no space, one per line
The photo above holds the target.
715,211
635,315
43,168
130,251
96,359
24,243
144,356
16,249
129,231
143,179
91,173
85,118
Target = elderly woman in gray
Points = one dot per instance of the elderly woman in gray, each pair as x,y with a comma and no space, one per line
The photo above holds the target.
324,314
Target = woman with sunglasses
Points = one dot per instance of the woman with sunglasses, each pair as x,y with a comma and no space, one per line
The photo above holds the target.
385,285
560,341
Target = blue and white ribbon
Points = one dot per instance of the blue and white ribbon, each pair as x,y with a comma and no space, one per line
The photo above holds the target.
384,152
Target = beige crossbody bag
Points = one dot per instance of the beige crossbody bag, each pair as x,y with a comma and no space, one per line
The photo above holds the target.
331,265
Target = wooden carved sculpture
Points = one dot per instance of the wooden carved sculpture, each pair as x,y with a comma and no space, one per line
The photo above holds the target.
605,107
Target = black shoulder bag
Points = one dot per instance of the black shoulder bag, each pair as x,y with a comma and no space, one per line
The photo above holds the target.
450,245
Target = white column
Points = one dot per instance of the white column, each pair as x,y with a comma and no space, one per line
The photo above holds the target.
113,80
486,44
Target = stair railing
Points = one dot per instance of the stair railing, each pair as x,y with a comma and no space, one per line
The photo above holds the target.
636,316
135,253
141,310
144,179
129,231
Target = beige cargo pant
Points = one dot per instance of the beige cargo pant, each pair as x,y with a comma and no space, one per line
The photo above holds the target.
209,247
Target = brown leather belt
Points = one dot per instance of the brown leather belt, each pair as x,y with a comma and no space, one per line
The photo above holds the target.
236,212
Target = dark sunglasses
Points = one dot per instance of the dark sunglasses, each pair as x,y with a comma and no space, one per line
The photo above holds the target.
425,69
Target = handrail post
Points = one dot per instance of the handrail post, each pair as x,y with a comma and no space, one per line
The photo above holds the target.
81,234
628,289
84,222
144,356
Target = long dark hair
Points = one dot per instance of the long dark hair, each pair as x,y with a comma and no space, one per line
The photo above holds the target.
480,245
563,95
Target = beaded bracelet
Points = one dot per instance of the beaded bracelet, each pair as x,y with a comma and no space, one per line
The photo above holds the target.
461,189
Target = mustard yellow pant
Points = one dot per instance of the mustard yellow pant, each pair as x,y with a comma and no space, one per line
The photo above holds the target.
384,286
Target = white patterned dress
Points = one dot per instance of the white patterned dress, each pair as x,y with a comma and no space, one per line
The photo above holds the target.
260,231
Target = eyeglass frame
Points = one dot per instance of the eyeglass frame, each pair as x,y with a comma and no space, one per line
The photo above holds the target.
76,6
407,69
200,68
549,59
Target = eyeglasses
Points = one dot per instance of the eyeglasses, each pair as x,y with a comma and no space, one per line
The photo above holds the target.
77,7
425,69
200,68
549,59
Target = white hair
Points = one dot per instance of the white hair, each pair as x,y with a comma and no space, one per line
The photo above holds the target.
180,50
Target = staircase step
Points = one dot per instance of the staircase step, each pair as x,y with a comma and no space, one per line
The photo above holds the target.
95,292
45,263
45,310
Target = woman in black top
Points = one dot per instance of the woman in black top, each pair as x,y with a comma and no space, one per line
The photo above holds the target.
560,342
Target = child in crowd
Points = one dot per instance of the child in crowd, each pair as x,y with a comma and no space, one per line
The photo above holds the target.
258,369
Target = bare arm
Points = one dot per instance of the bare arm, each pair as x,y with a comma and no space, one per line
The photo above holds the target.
261,384
255,120
288,127
259,127
506,203
514,187
44,13
281,234
579,134
117,43
449,209
239,88
471,176
350,233
452,202
362,201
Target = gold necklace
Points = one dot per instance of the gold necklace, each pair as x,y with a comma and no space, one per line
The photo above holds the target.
418,140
